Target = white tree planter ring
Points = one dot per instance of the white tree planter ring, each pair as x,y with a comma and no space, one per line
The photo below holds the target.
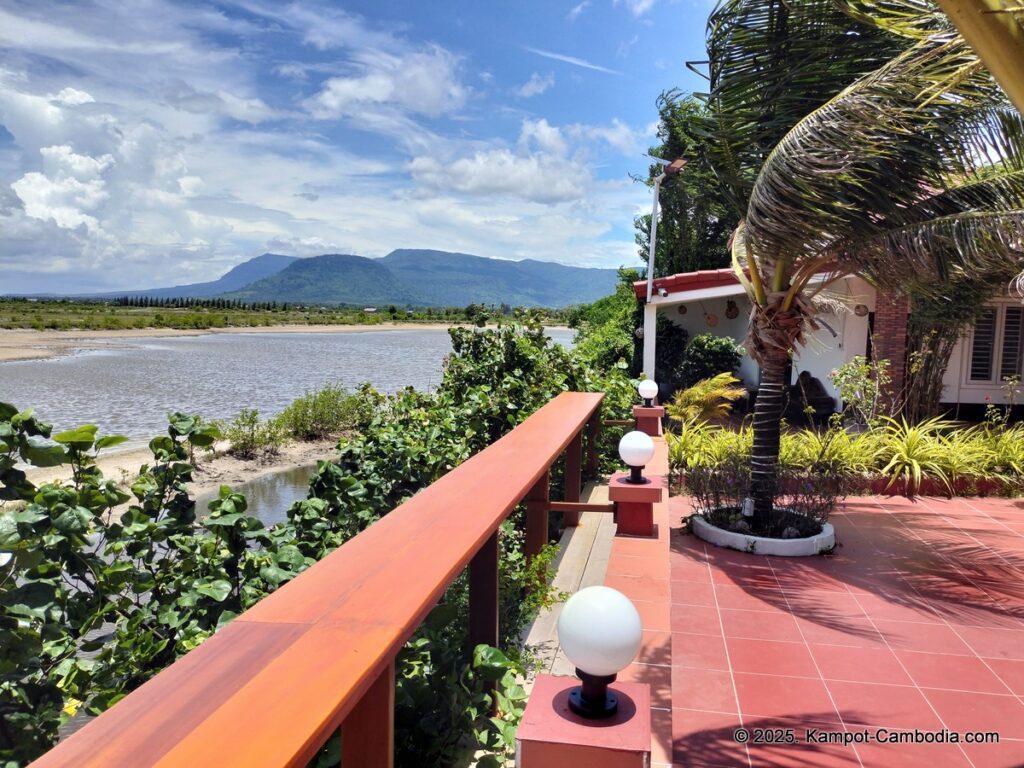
760,545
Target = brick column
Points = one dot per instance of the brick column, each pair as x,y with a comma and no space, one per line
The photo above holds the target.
890,337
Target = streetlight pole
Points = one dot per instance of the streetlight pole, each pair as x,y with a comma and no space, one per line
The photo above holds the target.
671,169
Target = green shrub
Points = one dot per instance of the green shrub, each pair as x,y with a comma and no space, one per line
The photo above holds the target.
705,357
250,436
328,412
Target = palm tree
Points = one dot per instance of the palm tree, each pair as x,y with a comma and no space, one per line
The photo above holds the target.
875,145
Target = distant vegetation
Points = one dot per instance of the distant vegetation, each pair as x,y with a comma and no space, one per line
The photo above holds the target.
189,313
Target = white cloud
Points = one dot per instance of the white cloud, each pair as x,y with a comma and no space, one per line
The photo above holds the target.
618,135
542,135
636,7
536,85
63,200
538,178
425,82
576,10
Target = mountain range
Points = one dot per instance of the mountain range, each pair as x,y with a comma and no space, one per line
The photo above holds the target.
421,278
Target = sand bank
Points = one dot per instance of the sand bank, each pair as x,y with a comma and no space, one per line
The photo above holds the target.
27,344
212,472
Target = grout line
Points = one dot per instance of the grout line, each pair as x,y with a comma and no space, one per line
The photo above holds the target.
821,676
728,658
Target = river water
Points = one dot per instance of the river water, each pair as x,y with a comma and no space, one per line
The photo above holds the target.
129,386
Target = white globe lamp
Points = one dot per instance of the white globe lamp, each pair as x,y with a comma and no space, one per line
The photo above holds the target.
648,389
600,632
636,449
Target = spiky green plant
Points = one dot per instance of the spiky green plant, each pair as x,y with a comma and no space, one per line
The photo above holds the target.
707,400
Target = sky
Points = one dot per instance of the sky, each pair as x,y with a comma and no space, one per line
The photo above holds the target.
147,142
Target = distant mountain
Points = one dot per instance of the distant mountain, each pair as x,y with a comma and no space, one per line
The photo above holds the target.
333,278
430,278
237,277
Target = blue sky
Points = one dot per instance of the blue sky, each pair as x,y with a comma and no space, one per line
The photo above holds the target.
147,142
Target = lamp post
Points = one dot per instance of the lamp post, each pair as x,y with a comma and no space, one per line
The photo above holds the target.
648,389
671,169
600,632
636,449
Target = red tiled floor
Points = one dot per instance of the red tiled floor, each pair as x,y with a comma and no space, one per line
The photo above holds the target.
892,706
770,656
654,616
758,625
917,622
703,689
706,739
859,665
696,620
793,698
1010,671
931,638
960,673
994,643
979,712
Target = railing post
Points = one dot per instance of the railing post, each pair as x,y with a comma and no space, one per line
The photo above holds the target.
593,434
537,507
368,733
573,479
483,595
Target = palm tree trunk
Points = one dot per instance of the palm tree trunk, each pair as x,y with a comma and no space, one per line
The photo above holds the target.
764,458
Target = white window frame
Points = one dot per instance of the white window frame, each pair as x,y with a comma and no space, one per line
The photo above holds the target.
1000,306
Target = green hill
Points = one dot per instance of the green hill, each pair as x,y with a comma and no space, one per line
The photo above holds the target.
430,278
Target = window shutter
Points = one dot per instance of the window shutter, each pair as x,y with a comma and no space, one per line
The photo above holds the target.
1012,336
982,346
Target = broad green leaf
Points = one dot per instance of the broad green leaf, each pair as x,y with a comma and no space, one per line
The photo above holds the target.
218,589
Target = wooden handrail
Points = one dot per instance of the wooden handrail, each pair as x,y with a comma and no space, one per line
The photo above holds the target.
271,687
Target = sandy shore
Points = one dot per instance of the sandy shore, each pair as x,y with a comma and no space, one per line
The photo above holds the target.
212,472
27,344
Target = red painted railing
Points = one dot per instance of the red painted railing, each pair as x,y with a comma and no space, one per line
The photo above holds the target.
318,654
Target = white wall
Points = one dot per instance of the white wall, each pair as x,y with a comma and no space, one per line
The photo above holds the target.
820,355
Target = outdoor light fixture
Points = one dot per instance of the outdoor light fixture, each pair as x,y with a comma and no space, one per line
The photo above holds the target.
648,389
636,449
662,292
600,632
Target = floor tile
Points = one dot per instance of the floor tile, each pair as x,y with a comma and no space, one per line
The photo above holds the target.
841,631
792,698
655,648
703,689
654,616
770,657
758,625
994,643
891,706
859,665
1010,671
696,619
699,651
915,756
639,587
979,712
931,638
731,596
706,739
693,593
962,673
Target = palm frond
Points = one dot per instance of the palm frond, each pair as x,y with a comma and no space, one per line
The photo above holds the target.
854,167
770,62
928,254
